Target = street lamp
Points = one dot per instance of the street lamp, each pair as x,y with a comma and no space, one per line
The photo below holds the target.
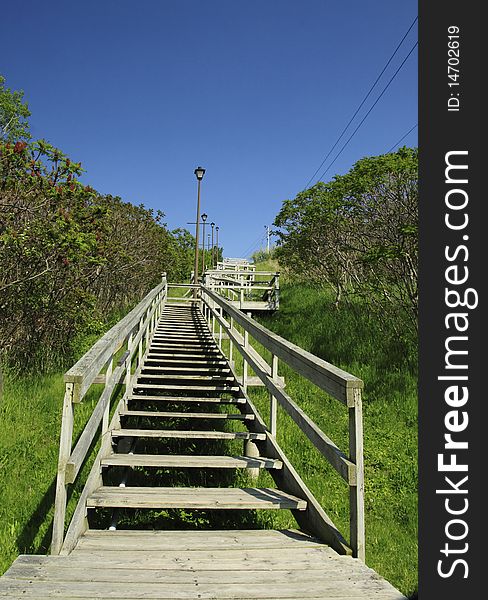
204,218
199,173
217,244
213,247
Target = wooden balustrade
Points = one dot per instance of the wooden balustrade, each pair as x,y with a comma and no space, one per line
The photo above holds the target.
131,335
337,383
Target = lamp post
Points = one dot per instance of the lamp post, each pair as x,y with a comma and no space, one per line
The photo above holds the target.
199,173
217,245
204,218
213,247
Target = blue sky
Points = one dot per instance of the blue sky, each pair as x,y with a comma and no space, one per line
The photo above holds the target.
256,92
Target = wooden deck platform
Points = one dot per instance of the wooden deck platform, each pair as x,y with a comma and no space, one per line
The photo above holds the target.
237,564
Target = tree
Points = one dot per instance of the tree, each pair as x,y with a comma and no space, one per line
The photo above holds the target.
13,114
358,234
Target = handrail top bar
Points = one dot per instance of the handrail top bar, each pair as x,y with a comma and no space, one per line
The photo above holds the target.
332,379
245,272
184,285
101,351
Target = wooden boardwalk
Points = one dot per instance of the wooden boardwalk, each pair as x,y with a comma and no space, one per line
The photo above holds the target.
181,398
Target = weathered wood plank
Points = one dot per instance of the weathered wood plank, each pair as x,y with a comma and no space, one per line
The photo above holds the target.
180,399
250,591
186,461
195,498
186,415
183,387
174,433
191,540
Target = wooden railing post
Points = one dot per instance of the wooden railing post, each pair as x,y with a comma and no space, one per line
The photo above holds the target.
141,342
231,343
276,302
356,492
221,310
106,412
128,362
244,361
65,442
272,399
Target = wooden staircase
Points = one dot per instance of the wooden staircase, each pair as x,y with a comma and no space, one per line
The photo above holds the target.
183,410
168,379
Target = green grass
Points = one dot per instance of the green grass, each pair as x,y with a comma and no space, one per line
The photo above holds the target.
30,420
353,340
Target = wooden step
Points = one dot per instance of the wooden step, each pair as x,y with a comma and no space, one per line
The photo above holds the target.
187,344
193,498
183,335
200,362
177,399
184,387
182,332
198,376
186,415
153,371
193,435
230,540
190,461
211,353
182,351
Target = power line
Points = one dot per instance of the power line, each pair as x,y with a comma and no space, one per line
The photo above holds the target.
371,108
401,139
362,103
258,244
253,245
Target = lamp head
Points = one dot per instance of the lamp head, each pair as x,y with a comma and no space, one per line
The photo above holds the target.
199,172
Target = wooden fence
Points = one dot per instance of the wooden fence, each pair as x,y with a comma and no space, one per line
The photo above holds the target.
339,384
246,290
123,345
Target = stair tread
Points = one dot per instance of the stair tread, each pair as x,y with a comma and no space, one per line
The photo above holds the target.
182,386
184,460
197,377
196,498
187,399
186,415
216,370
188,434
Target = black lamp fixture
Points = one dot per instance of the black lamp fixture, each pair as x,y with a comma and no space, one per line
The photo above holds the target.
199,172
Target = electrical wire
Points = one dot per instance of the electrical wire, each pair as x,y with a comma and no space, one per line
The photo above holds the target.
362,103
369,111
258,241
401,139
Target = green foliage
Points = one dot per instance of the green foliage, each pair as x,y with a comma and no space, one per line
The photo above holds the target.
13,114
69,256
182,249
358,234
263,255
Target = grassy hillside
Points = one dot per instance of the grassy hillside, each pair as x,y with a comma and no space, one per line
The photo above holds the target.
353,340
